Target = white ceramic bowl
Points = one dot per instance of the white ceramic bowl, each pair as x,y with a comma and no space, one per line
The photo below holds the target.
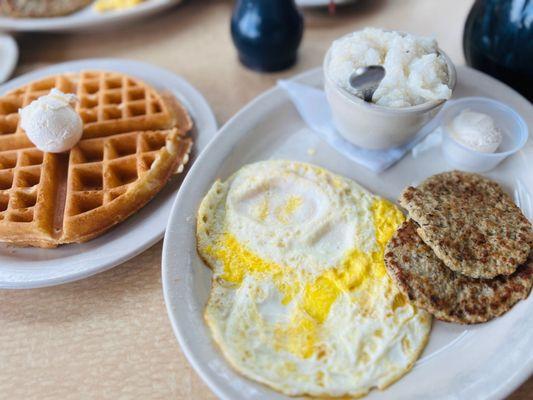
373,126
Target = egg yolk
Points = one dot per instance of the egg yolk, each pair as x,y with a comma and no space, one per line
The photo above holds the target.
238,261
107,5
262,210
298,337
387,219
358,269
315,296
285,212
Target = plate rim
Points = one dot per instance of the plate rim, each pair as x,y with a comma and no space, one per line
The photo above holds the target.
321,3
10,62
210,130
517,379
75,22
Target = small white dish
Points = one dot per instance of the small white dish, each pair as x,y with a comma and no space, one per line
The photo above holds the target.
372,126
486,361
87,18
22,268
9,54
513,127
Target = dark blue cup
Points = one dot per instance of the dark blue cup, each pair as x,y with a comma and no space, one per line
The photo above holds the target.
267,33
498,40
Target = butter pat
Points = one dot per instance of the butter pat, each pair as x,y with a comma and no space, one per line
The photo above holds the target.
475,131
51,122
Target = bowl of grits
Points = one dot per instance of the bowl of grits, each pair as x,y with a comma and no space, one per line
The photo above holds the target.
419,78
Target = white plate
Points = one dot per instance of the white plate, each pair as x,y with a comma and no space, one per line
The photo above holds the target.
86,18
31,267
321,3
9,54
485,361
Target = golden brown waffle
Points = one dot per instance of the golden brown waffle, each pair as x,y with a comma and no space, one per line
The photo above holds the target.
40,8
133,140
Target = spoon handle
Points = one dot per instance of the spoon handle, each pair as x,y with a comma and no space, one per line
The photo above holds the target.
367,94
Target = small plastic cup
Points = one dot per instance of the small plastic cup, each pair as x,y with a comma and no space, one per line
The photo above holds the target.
514,131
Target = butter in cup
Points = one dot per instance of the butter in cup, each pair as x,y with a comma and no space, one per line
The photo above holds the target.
513,128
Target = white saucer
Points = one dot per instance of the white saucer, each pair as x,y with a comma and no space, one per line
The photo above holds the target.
31,267
485,361
87,18
9,54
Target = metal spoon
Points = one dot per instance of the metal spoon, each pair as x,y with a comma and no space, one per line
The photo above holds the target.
367,79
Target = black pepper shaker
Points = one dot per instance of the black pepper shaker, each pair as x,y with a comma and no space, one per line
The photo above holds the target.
267,33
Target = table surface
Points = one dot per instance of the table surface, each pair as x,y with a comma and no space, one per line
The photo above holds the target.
109,336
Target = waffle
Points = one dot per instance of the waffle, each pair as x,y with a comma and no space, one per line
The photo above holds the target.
40,8
133,141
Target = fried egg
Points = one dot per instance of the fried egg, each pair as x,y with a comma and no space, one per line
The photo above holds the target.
300,299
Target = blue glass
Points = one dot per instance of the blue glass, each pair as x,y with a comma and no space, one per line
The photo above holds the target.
267,33
498,40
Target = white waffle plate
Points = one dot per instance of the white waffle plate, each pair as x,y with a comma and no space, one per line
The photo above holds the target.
31,267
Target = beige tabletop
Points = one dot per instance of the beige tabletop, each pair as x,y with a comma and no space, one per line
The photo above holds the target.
108,336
